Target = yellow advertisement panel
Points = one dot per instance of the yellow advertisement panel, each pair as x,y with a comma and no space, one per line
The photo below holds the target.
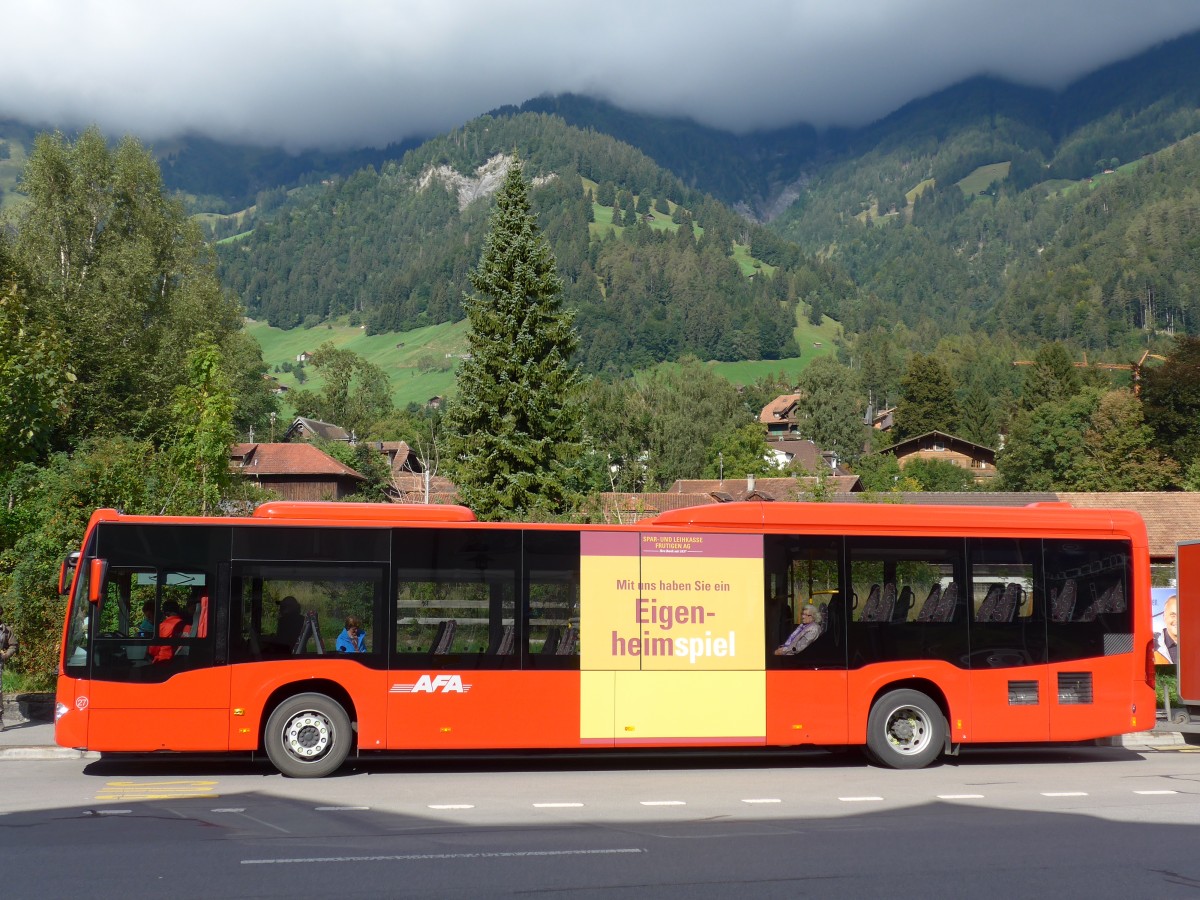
674,602
691,707
658,609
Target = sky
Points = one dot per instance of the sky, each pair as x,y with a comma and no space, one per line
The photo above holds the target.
302,73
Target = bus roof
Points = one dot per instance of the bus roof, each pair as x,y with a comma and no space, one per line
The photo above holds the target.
778,516
896,518
375,513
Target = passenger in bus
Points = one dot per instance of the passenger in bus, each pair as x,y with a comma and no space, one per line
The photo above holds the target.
145,628
804,634
352,639
171,626
290,624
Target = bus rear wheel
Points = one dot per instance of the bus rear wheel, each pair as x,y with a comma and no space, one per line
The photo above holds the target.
905,730
308,736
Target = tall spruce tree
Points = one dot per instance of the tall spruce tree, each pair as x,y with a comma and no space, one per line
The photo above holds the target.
927,400
513,430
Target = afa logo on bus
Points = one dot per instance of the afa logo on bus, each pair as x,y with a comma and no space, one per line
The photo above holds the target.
433,684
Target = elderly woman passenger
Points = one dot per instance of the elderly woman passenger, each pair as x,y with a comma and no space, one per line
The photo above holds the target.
804,634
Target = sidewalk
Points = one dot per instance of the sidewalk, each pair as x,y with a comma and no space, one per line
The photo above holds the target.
34,740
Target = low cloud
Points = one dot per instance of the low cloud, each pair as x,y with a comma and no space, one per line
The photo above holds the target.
308,74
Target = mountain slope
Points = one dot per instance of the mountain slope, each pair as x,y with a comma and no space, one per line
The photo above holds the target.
391,249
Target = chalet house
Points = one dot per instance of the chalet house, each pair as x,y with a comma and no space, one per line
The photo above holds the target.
804,454
884,419
303,429
411,483
947,448
779,417
401,458
294,471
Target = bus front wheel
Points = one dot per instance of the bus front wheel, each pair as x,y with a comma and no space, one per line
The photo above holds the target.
905,730
308,736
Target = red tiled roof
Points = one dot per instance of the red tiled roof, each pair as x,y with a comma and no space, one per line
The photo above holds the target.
792,488
286,459
411,488
619,508
1170,516
777,409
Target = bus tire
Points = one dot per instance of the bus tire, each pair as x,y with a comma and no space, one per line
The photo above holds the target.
308,736
905,730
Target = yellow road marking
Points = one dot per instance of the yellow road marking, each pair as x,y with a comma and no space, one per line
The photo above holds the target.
157,790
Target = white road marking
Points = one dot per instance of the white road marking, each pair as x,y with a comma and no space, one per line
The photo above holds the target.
1151,793
663,803
960,796
858,799
440,856
556,805
451,806
113,812
231,809
763,800
1064,793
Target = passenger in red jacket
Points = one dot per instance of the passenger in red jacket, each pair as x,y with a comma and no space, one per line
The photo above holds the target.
171,626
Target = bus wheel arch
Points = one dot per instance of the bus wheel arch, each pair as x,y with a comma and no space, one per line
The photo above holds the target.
908,725
308,732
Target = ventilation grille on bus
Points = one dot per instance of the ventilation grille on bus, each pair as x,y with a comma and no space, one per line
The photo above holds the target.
1074,688
1115,644
1022,693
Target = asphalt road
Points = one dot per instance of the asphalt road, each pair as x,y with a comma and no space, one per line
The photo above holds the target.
1084,821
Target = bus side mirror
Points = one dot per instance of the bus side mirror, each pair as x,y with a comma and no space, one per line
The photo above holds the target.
97,573
65,571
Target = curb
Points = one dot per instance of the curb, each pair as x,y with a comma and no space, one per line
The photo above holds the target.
46,753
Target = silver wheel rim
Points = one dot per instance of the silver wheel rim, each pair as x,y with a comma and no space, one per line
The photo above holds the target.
909,730
308,735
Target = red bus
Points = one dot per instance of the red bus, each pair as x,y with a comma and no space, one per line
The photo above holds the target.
937,626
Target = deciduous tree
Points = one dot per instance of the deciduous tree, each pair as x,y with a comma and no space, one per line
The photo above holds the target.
356,394
830,411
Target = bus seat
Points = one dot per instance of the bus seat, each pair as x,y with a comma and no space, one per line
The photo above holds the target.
1009,603
1116,599
929,607
444,639
869,610
948,604
1062,605
566,646
884,601
904,603
988,608
550,644
504,646
1111,600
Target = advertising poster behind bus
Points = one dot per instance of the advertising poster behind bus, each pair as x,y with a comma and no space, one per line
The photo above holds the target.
1165,608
